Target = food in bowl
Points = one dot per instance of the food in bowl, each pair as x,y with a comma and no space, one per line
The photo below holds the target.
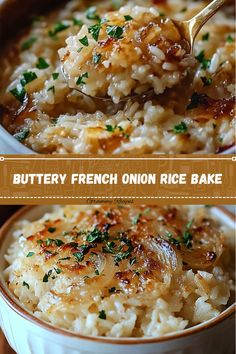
39,109
128,51
122,271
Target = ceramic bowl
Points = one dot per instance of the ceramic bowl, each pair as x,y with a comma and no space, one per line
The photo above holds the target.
29,335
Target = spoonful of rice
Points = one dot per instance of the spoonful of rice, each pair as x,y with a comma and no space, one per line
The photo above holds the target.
131,52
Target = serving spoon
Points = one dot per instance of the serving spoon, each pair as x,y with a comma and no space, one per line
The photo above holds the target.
188,30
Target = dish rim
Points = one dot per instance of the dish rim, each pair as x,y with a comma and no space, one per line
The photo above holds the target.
26,315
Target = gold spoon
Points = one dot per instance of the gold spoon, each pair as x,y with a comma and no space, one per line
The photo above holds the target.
188,31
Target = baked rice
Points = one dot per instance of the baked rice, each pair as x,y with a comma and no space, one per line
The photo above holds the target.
128,271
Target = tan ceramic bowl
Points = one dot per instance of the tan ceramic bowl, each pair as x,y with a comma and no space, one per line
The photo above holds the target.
29,335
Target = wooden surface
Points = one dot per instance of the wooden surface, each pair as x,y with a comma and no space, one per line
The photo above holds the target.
4,347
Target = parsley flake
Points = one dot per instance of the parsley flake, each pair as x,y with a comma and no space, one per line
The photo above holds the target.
115,32
95,31
206,36
55,76
84,41
42,64
25,284
77,22
58,27
205,63
51,229
30,254
28,76
180,128
172,240
102,315
229,39
19,93
128,18
80,80
97,235
28,43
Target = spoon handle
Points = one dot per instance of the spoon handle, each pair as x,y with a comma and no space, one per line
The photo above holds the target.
196,23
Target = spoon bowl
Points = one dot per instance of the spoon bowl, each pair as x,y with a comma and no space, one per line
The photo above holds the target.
188,31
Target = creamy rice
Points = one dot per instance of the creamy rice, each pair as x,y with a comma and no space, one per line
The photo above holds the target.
137,271
126,52
194,116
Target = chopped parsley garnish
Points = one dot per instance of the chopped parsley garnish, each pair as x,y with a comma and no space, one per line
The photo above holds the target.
42,64
22,135
172,240
59,242
97,272
80,80
136,219
94,31
57,270
19,93
115,32
47,276
79,256
28,43
28,76
96,58
80,49
83,250
84,41
205,62
25,284
184,9
30,254
109,248
194,101
229,39
128,18
49,241
132,261
206,36
64,259
51,229
206,81
111,128
102,315
91,13
187,236
125,254
97,235
51,88
58,27
112,290
55,76
180,128
77,22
